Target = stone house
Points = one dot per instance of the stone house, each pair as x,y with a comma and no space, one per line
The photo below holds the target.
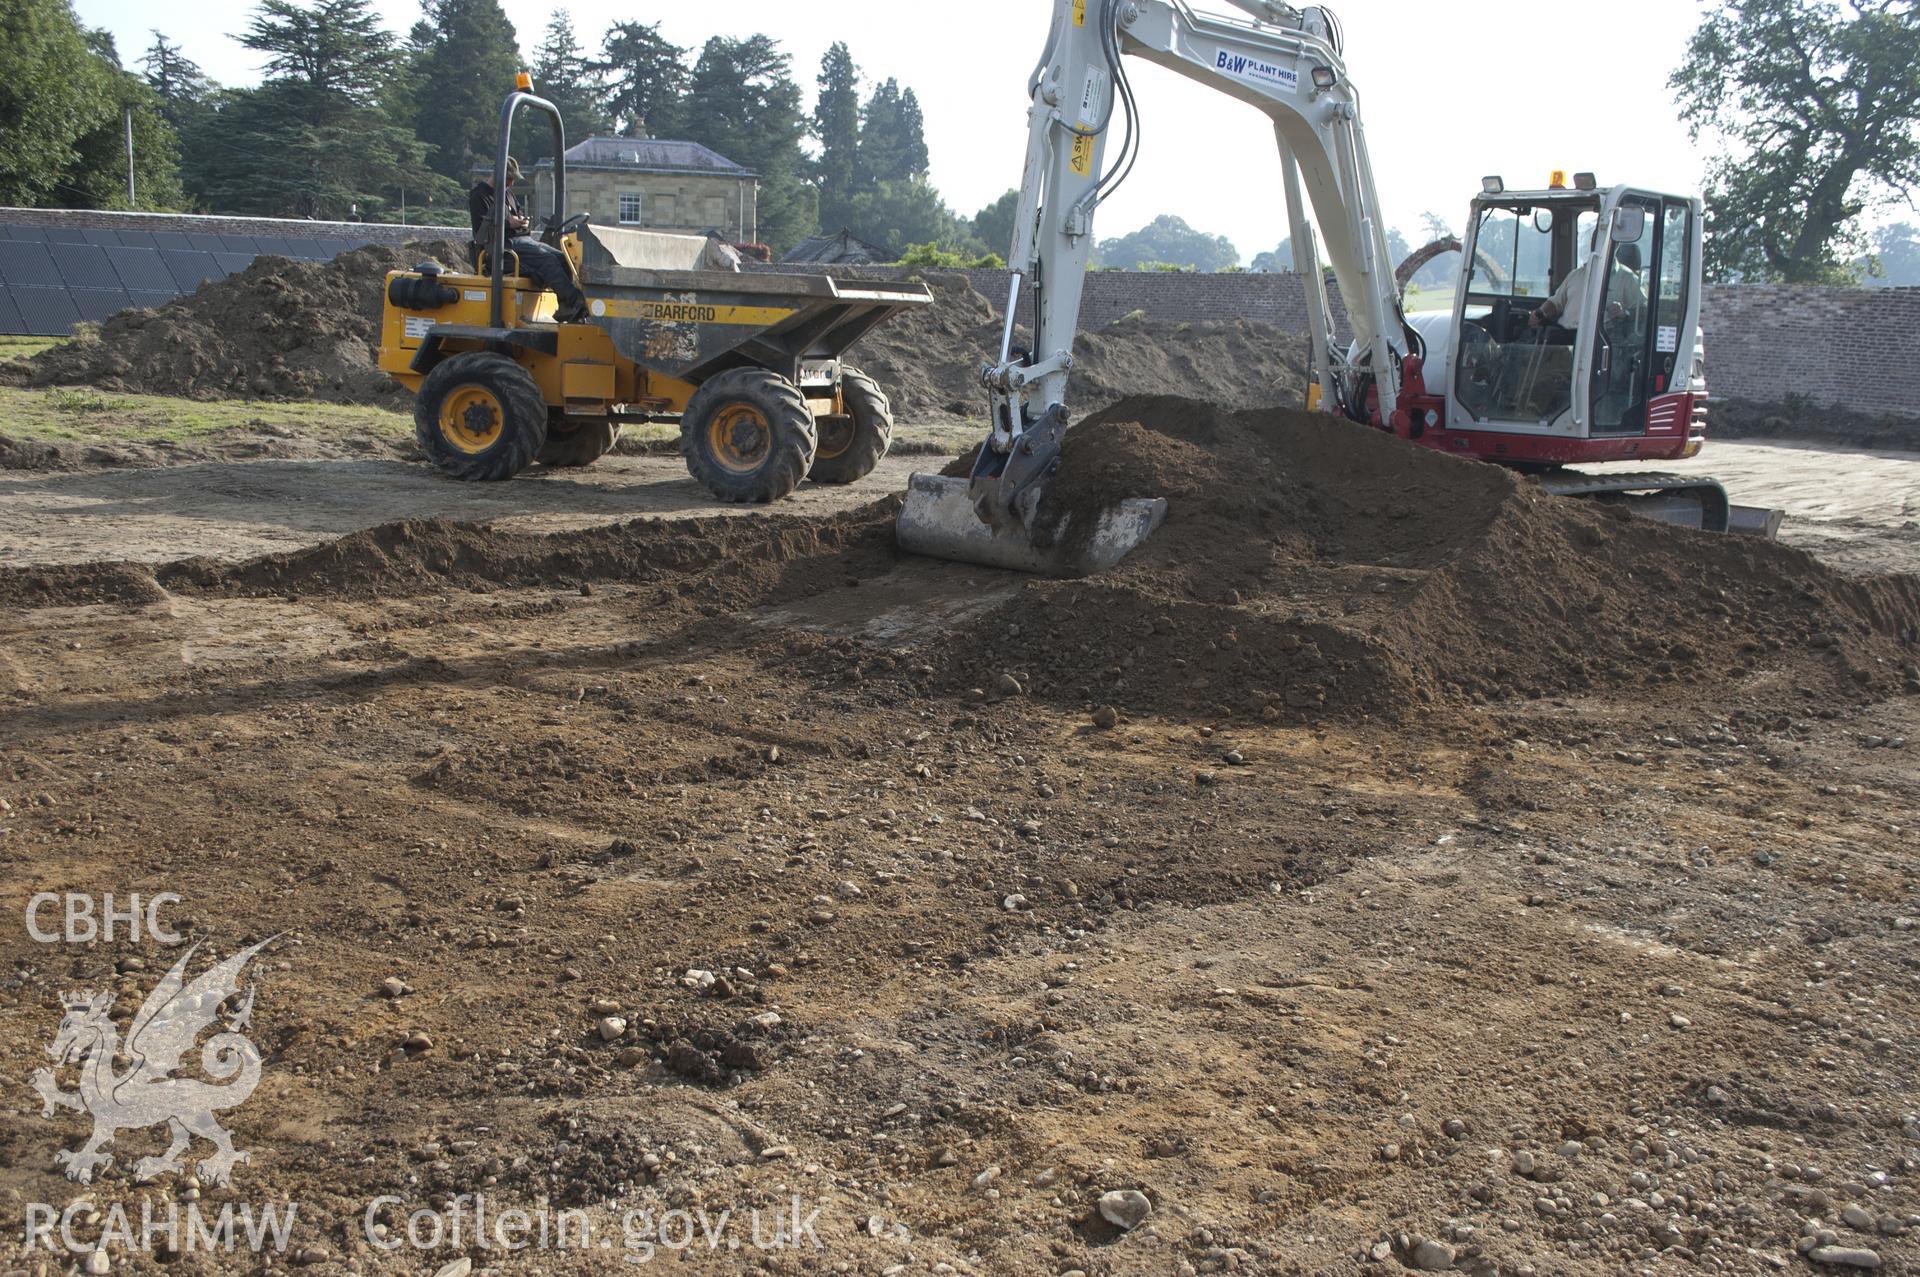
655,184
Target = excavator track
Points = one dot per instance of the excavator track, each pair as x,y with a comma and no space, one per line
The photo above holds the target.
1689,501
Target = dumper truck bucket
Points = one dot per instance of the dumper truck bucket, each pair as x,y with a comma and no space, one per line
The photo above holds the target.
671,315
939,521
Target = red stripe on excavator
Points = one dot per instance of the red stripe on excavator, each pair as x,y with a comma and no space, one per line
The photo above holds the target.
1676,429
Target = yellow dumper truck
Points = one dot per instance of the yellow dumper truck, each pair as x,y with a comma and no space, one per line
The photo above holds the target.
749,362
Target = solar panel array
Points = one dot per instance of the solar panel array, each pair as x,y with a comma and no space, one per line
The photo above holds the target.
53,277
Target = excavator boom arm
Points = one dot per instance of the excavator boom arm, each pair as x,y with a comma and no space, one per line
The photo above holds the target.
1285,63
1281,60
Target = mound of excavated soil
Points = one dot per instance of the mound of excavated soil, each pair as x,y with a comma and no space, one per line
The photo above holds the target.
280,329
928,359
1310,564
716,563
1308,568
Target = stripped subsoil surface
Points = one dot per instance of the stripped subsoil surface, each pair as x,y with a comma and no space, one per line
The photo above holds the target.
1388,867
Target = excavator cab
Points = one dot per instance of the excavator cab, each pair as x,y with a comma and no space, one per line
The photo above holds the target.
1575,339
1575,333
1516,350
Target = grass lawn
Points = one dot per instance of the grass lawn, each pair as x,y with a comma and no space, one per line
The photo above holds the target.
1429,299
70,414
12,348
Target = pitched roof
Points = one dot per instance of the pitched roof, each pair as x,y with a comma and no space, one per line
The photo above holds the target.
649,155
845,249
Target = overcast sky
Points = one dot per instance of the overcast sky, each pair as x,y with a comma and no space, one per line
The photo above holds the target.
1450,90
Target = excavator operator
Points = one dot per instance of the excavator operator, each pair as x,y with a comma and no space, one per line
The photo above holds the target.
540,262
1625,297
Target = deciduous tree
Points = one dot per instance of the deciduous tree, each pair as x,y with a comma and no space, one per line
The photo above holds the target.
1895,260
1815,107
1168,240
97,178
910,211
53,91
993,225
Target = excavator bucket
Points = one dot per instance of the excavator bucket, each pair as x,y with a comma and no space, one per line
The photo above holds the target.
939,520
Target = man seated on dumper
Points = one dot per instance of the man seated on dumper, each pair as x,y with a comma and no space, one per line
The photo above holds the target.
542,263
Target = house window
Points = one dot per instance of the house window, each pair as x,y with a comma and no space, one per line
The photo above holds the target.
716,212
665,210
629,208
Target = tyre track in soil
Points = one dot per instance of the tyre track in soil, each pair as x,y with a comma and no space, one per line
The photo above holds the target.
1645,950
1244,1053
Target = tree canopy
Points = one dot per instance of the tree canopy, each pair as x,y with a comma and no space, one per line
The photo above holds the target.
1168,241
910,211
464,59
566,77
315,138
646,78
836,126
993,225
62,93
1817,107
742,102
350,121
893,144
179,83
1895,260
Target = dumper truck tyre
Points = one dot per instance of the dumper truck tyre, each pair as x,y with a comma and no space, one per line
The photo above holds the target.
748,435
571,444
853,444
480,416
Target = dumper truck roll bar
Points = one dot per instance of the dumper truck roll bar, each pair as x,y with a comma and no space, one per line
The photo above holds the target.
522,95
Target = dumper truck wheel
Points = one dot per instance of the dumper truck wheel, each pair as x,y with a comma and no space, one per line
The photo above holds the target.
851,445
578,443
480,416
748,435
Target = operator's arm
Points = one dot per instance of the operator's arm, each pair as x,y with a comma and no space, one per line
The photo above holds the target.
1629,291
1555,307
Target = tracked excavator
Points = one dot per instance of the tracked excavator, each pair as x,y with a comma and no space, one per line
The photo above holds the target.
1574,335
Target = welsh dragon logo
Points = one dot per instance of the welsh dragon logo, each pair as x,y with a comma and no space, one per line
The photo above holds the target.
146,1093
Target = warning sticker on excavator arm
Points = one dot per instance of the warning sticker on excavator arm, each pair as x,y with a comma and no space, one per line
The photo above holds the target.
1093,96
1082,156
1079,13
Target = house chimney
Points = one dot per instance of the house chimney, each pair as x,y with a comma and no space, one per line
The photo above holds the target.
637,129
